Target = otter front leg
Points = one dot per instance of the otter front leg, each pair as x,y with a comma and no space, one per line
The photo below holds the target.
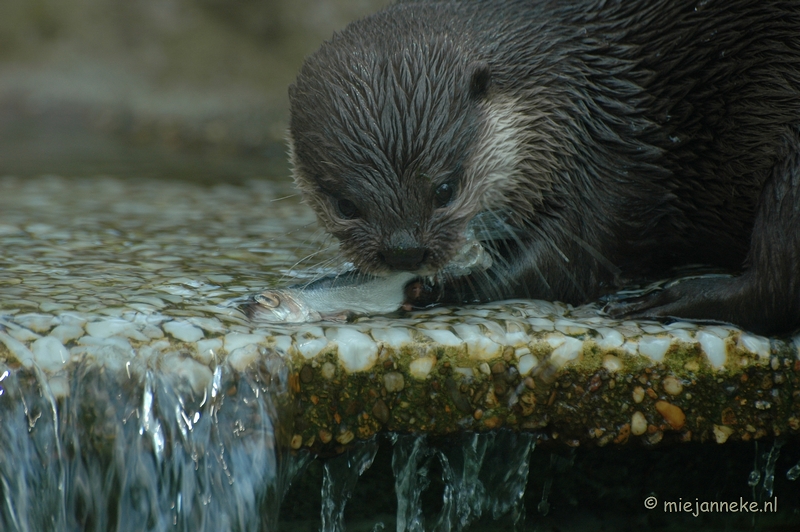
766,298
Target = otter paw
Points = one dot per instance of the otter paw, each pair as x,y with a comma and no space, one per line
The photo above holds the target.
652,305
710,299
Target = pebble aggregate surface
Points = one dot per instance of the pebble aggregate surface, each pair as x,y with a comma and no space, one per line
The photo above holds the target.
138,274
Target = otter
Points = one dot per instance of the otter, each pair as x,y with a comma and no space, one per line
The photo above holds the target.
595,145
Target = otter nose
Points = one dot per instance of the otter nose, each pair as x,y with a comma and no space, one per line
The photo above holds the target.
401,251
401,258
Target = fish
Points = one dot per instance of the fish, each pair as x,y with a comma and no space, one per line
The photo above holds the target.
332,298
342,296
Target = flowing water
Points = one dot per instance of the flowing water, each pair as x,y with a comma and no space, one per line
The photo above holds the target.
119,457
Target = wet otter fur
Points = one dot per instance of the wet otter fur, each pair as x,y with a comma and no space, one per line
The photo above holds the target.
597,144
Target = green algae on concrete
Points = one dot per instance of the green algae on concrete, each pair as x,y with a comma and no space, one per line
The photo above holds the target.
600,398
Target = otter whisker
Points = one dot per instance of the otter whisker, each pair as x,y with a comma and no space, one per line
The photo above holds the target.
594,252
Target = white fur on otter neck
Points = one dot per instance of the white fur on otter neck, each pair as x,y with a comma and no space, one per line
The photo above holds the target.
513,157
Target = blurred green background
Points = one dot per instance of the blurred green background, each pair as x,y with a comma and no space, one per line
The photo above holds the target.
174,88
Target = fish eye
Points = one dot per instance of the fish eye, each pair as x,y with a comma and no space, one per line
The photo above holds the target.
347,209
268,300
443,195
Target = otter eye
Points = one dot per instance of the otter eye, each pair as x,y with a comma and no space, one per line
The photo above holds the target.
347,209
444,194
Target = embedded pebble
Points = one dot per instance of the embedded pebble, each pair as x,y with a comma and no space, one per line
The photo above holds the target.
357,351
571,349
672,385
282,343
490,329
570,327
612,363
630,347
478,345
395,337
212,325
714,348
345,437
683,335
381,411
466,372
555,340
242,357
638,394
311,347
296,441
306,374
234,341
73,318
311,331
151,331
542,324
717,330
23,355
421,367
638,424
443,337
197,375
393,381
722,433
610,338
681,325
654,347
526,364
209,350
516,339
324,435
117,342
328,371
149,300
22,334
113,327
521,351
53,307
50,354
755,344
183,331
40,323
65,333
671,413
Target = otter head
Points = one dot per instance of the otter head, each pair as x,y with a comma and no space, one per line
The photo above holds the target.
387,136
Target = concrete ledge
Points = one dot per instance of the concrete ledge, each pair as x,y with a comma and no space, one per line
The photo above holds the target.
528,366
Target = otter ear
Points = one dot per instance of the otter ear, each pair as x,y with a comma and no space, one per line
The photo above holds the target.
480,78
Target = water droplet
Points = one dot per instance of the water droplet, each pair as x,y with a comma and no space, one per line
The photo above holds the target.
794,472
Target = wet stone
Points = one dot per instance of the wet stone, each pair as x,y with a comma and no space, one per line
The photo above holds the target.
393,381
306,374
460,399
672,385
638,424
672,414
381,411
